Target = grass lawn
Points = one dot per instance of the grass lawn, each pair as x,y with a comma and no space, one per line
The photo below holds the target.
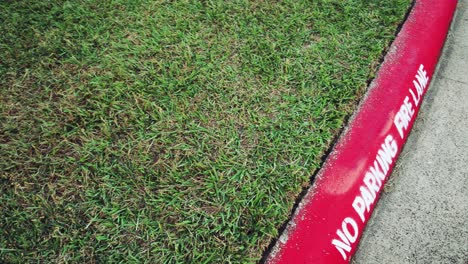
171,131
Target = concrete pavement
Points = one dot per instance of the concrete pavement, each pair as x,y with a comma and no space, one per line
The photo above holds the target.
422,216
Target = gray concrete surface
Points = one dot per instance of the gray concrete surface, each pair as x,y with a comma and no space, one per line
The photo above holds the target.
422,216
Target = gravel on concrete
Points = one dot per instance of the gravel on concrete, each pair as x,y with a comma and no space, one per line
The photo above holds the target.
422,216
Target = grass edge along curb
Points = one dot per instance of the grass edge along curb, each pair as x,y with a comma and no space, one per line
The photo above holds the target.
328,222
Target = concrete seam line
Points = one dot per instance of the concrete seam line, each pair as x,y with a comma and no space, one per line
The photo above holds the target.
328,222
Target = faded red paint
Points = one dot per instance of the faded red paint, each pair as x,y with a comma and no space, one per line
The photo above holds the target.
326,217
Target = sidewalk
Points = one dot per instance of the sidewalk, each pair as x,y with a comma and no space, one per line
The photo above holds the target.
422,217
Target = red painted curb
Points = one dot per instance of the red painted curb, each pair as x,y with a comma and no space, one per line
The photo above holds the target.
329,221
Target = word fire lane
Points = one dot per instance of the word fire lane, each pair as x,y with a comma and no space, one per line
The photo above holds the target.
375,176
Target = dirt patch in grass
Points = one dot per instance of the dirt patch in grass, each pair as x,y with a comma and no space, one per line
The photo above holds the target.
171,131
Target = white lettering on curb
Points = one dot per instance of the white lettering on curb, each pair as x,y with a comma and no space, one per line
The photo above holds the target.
346,238
403,117
406,112
374,177
372,183
420,84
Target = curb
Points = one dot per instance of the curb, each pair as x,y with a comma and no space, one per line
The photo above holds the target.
328,223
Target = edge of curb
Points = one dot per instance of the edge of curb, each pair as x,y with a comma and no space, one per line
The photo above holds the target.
329,220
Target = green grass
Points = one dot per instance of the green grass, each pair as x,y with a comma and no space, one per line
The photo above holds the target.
171,131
